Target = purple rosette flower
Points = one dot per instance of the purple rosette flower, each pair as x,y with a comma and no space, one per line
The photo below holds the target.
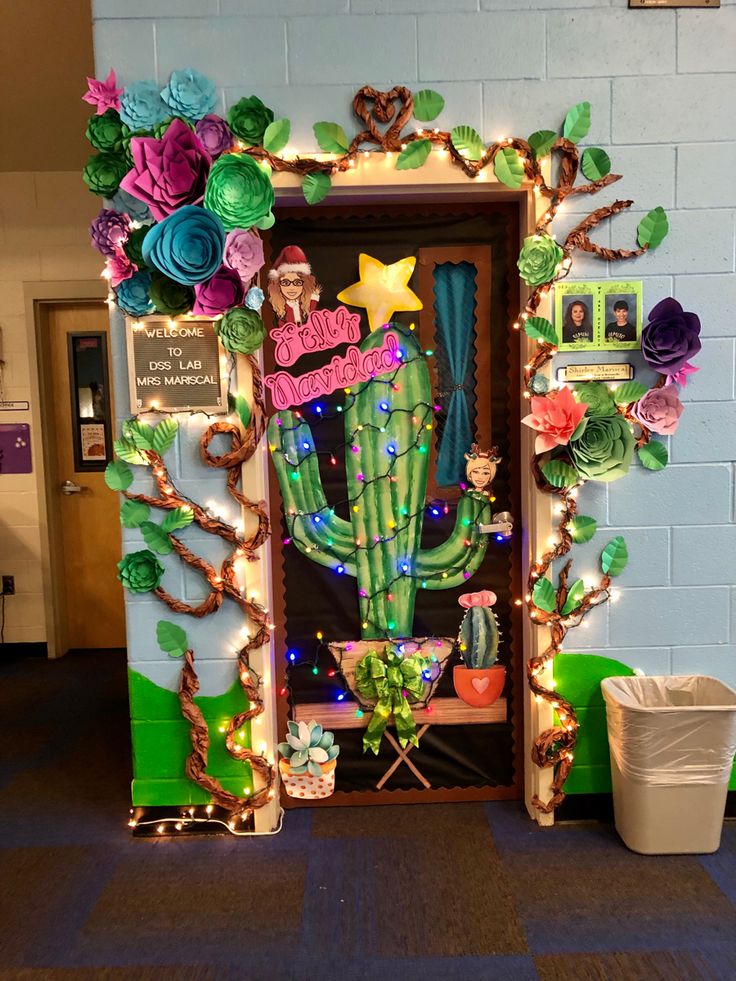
109,231
244,253
170,172
223,291
214,134
670,338
659,410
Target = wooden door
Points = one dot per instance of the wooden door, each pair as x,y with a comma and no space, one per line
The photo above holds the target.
81,417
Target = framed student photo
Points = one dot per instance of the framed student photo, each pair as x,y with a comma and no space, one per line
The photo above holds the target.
621,316
602,316
575,309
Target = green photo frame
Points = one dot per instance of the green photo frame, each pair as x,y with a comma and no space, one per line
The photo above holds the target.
598,316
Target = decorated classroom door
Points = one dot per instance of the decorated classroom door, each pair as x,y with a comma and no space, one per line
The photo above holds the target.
392,392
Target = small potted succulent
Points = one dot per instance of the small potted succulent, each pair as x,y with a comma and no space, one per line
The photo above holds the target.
479,680
309,758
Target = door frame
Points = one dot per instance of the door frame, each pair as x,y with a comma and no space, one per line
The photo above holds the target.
38,298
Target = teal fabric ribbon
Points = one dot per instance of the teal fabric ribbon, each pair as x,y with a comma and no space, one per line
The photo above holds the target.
389,678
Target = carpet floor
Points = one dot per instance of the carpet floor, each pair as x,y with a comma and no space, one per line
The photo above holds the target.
422,893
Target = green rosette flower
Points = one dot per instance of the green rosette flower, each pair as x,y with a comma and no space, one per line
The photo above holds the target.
160,128
248,120
597,397
241,331
169,297
103,173
604,449
538,260
133,248
140,572
239,192
107,132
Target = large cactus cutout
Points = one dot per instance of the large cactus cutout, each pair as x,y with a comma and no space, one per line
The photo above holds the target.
388,439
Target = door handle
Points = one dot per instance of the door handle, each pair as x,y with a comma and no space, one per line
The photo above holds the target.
502,527
69,487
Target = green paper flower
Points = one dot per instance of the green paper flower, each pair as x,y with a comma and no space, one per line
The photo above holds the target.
134,245
169,297
538,260
107,132
604,449
140,572
248,120
241,331
239,192
103,173
597,397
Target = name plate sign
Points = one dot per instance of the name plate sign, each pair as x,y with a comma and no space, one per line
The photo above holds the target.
595,372
174,366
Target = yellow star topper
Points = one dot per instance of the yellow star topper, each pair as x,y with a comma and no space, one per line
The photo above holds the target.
382,289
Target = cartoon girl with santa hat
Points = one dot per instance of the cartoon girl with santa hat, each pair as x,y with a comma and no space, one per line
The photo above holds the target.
293,291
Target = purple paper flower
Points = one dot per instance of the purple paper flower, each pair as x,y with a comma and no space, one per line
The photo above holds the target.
670,338
244,253
680,376
659,410
109,231
214,135
219,294
103,95
169,172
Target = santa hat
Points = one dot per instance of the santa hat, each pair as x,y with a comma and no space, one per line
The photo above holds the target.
291,259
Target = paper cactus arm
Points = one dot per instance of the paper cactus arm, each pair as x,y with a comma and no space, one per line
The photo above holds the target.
463,552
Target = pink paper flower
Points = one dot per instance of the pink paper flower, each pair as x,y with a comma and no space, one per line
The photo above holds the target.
244,253
555,417
486,597
223,291
103,95
119,267
659,410
680,377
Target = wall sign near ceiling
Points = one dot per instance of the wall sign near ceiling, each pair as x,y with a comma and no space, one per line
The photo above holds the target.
674,3
174,365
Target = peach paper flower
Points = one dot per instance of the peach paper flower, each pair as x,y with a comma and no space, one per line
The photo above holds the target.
555,417
486,597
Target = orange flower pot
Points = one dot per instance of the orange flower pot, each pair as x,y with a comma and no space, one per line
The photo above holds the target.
479,687
306,785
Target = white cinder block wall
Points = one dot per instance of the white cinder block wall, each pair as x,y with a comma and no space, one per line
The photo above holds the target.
663,88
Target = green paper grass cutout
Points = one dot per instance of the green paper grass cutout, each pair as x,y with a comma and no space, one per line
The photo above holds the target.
277,135
615,556
653,228
574,597
509,168
171,639
540,329
582,528
414,155
653,455
331,137
577,122
595,163
467,142
542,142
560,474
428,104
316,187
118,475
133,513
629,392
544,595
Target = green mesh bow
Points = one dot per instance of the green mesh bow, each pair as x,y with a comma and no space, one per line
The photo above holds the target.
389,679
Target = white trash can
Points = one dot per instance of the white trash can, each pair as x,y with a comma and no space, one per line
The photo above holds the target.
672,741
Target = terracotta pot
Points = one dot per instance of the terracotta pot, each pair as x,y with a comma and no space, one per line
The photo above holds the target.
306,785
479,686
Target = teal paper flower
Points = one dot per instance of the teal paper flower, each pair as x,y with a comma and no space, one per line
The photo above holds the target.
186,246
141,105
190,94
135,209
132,295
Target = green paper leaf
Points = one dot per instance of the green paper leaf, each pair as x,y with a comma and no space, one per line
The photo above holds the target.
118,475
414,155
595,163
629,392
139,434
539,328
127,450
542,142
171,638
580,428
509,167
316,187
574,597
577,122
164,435
156,538
653,228
428,104
467,142
582,528
615,556
240,405
133,514
331,137
544,595
277,135
653,455
177,518
560,474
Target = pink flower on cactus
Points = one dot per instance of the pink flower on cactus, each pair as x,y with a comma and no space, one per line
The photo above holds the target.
486,597
680,377
659,410
119,267
555,417
103,95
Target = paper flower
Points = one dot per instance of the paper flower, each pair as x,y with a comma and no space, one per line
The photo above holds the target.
538,260
681,375
241,331
190,94
133,248
597,397
109,231
214,135
539,384
141,105
670,338
244,253
169,172
137,210
104,172
486,597
119,267
169,297
132,295
106,132
659,410
604,449
187,246
140,572
240,192
219,293
254,298
103,95
555,417
248,119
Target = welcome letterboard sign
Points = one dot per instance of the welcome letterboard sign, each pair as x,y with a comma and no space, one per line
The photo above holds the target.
174,366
